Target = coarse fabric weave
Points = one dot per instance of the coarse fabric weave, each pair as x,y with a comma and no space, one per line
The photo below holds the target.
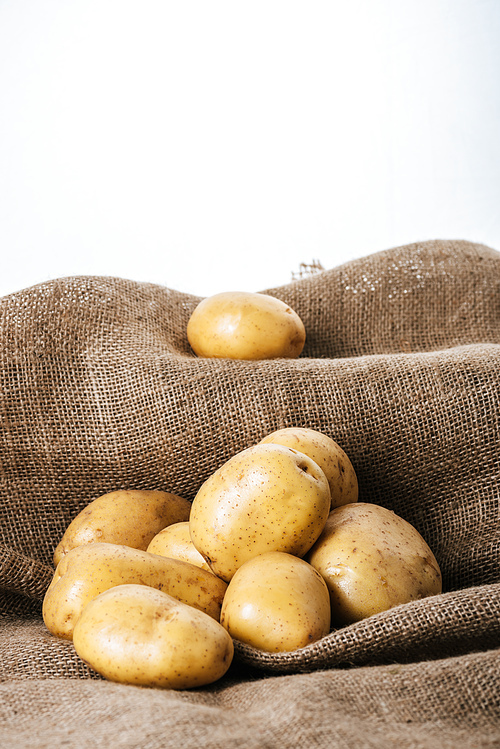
401,367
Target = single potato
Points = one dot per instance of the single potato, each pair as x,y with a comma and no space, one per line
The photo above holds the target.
327,454
130,517
245,325
265,498
276,602
372,560
175,542
88,570
138,635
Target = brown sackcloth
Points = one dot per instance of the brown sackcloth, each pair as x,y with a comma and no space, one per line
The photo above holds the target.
100,391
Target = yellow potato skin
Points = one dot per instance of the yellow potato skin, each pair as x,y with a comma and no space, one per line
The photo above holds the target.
88,570
245,325
134,634
265,498
372,560
276,602
327,454
175,542
127,516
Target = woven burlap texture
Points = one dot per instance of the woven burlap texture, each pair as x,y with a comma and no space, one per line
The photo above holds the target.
101,391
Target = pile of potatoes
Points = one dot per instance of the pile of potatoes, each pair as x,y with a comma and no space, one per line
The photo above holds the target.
274,550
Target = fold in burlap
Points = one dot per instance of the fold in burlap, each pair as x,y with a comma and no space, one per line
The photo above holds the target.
401,367
444,704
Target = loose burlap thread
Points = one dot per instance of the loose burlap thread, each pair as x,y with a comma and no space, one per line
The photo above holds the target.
101,391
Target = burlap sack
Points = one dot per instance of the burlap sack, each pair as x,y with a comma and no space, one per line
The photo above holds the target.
100,391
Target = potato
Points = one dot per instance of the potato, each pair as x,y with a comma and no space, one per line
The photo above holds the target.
372,560
327,454
175,542
88,570
135,634
245,325
276,602
130,517
265,498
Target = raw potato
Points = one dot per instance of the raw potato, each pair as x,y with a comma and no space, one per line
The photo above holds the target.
129,517
327,454
175,542
88,570
265,498
134,634
245,325
276,602
372,560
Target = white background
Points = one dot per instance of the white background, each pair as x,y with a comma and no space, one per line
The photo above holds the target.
213,145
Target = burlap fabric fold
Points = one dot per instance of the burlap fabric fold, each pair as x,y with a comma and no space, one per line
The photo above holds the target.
99,391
